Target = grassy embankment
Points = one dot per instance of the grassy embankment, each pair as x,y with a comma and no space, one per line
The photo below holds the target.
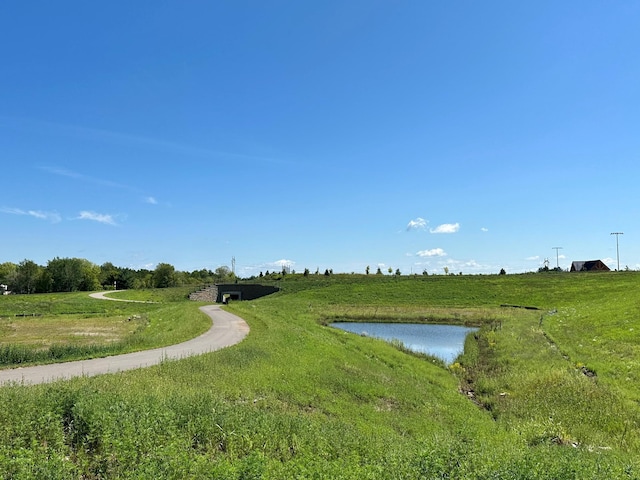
554,396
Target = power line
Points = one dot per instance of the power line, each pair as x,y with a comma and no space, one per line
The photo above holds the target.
557,257
617,234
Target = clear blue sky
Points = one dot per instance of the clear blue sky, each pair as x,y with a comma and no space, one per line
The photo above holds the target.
334,134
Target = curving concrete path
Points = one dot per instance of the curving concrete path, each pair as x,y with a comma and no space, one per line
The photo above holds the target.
103,296
227,329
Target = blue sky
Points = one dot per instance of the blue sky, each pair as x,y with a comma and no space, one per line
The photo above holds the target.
337,134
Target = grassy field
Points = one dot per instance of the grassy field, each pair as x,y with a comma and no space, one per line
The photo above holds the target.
58,327
538,394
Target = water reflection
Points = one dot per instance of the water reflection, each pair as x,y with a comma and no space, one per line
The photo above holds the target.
443,341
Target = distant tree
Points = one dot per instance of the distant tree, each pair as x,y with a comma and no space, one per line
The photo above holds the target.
261,275
446,270
164,276
306,272
503,271
425,272
366,270
390,270
44,284
326,273
398,272
8,272
379,271
284,270
73,274
331,271
27,273
127,278
223,274
266,274
109,275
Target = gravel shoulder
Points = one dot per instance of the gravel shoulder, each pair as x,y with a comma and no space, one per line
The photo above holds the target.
227,330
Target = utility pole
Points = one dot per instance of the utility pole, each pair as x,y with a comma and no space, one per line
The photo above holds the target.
617,234
557,257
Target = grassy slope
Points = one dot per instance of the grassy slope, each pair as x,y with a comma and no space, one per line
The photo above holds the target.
298,399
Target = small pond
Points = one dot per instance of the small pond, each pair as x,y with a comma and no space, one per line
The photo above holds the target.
443,341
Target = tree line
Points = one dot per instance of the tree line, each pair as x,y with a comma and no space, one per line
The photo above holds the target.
78,274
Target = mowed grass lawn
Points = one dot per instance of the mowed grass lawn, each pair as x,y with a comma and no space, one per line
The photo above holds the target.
533,397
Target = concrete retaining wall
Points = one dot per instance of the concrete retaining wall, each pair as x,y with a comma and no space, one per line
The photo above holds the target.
232,291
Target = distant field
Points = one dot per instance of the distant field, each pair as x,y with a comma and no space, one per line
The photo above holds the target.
538,394
57,327
74,329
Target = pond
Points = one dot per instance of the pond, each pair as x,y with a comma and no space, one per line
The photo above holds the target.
443,341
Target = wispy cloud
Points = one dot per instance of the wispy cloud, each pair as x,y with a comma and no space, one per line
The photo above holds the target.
97,217
80,177
63,172
417,224
53,217
134,140
484,229
434,252
534,257
446,228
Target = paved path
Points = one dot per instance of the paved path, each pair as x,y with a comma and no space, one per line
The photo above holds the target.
102,296
227,330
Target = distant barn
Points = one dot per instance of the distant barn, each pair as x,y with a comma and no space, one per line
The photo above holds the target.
589,266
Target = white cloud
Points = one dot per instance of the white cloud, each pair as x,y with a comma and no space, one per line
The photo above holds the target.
446,228
535,257
434,252
484,229
417,224
53,217
151,200
282,263
97,217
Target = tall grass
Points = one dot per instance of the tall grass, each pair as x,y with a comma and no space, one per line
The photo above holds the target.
297,399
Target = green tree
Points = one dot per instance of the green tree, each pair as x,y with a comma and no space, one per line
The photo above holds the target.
27,274
164,276
223,274
8,273
366,270
390,270
379,271
109,275
306,272
398,272
73,274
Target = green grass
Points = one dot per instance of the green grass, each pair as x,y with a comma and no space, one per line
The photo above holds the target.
60,327
299,399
